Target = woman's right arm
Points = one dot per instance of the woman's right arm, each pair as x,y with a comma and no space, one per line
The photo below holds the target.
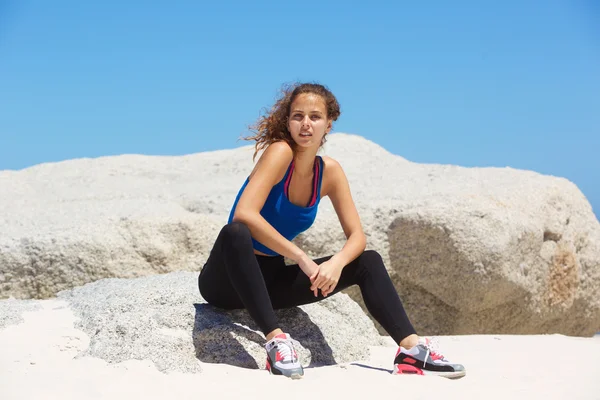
269,171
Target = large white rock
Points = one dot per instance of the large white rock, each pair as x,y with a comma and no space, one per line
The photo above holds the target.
69,223
163,318
471,250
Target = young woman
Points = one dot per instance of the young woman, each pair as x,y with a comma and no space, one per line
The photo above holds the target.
278,201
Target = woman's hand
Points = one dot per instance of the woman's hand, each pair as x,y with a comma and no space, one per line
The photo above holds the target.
326,277
310,268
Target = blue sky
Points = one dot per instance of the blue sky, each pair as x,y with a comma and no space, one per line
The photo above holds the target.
511,83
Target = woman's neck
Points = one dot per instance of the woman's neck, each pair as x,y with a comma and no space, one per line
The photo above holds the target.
304,162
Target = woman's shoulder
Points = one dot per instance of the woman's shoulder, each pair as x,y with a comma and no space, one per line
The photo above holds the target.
277,154
333,173
276,158
281,148
331,163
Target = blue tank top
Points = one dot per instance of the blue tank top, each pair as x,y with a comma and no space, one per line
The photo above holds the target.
286,217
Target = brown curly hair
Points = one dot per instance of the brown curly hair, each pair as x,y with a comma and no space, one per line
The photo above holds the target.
272,126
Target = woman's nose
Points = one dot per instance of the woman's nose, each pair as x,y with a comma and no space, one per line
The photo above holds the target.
306,121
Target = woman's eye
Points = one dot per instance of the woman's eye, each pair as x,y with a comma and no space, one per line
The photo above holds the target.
315,117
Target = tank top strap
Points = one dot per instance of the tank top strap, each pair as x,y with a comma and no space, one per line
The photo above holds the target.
318,178
315,189
321,166
287,178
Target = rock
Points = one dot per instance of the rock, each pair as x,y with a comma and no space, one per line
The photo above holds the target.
69,223
478,250
163,318
471,250
41,264
11,310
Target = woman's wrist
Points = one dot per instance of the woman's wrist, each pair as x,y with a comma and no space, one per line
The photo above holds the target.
299,256
339,258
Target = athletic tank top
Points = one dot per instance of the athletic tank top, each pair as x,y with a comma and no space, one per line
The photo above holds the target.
286,217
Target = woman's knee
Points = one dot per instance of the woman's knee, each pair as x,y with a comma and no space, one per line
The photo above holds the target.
236,231
371,259
202,285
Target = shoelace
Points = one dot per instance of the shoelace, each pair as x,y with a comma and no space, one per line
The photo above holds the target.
432,346
287,350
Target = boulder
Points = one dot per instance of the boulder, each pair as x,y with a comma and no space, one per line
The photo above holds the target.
11,310
164,319
73,222
476,250
471,250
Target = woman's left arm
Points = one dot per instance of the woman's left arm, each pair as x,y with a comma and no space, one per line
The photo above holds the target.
338,190
341,199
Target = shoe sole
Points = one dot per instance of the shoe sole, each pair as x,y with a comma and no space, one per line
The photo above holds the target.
411,370
293,375
449,375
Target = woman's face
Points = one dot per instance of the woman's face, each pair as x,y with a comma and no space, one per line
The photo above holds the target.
308,121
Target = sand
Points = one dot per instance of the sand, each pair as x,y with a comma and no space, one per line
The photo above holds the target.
39,360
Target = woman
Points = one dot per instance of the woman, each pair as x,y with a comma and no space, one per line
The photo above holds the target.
278,201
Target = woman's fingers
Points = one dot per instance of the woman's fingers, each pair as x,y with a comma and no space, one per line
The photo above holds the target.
314,276
329,289
316,282
323,283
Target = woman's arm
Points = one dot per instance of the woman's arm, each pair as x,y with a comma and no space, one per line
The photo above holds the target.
269,170
338,191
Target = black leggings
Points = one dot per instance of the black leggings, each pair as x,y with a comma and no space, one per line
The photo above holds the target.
235,278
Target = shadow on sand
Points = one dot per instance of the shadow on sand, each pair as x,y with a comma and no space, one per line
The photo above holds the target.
232,337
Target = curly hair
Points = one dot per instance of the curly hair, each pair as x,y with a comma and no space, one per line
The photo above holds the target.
272,126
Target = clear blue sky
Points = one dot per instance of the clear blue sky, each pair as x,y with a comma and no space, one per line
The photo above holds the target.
508,83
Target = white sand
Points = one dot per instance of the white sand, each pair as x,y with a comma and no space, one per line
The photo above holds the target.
38,361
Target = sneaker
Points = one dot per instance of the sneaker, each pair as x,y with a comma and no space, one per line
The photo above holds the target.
282,358
423,359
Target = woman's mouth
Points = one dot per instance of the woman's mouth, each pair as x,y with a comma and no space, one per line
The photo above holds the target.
305,134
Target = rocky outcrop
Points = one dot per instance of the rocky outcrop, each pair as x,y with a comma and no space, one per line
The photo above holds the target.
471,250
163,318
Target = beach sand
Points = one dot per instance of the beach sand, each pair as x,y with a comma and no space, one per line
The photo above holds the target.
39,360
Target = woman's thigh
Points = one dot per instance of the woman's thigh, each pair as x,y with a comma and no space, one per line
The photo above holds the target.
291,287
215,286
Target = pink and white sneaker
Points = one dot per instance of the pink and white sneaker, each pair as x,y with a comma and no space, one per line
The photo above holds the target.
282,358
424,359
